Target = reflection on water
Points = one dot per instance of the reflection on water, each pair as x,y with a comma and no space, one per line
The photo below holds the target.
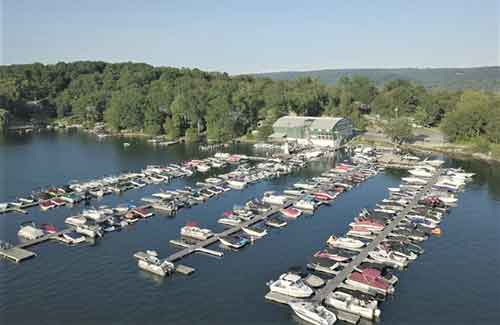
103,285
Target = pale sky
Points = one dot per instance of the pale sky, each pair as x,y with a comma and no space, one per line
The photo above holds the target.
254,36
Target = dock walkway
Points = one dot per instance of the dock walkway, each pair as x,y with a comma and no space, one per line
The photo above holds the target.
332,284
203,244
19,253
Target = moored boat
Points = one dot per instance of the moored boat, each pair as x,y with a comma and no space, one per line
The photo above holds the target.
313,313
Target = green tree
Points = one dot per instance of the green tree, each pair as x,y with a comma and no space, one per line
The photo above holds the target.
4,120
153,120
399,130
126,110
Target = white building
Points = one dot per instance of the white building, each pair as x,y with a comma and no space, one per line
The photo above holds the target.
320,131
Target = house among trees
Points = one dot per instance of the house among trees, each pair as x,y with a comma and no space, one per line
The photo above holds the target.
320,131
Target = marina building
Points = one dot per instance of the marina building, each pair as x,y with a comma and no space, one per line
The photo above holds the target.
319,131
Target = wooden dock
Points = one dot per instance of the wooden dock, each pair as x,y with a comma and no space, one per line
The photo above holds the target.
19,253
285,299
205,243
332,284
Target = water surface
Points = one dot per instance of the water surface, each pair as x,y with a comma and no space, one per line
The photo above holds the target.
456,281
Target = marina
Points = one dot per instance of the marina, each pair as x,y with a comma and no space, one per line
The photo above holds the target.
326,219
363,277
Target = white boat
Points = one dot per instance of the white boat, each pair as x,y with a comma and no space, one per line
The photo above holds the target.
91,231
291,284
230,221
203,168
3,206
418,172
434,163
73,237
214,180
279,200
30,232
193,231
294,192
75,220
163,195
313,313
388,258
97,216
305,205
414,180
236,184
344,242
304,186
150,262
255,231
366,308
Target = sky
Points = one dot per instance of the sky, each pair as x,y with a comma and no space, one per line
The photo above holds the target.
254,36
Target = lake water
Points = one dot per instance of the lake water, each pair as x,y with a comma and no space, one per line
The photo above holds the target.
456,281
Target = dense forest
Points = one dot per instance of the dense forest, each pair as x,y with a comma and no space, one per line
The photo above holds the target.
482,78
190,102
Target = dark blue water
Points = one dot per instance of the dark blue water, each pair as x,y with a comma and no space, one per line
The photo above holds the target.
456,281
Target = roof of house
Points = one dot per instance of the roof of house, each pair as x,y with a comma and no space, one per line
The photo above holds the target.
312,122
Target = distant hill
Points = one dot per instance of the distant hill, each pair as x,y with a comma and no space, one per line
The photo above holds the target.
483,78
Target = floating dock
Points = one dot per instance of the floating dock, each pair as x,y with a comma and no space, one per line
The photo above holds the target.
199,247
332,284
16,254
284,299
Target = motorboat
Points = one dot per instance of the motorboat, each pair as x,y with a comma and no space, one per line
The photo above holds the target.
334,256
234,241
305,205
290,212
255,230
384,271
236,184
230,220
367,308
30,231
193,231
150,262
46,205
214,180
163,195
313,313
368,223
73,237
325,265
202,168
92,231
414,180
370,279
360,230
418,172
76,220
48,228
388,258
324,196
279,200
345,242
291,284
304,186
276,222
294,192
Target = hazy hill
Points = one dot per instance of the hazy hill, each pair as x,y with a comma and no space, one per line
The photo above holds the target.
484,78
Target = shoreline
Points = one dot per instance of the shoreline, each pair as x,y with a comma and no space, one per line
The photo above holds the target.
456,151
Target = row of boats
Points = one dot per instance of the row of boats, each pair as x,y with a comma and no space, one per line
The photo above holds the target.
75,192
374,278
271,210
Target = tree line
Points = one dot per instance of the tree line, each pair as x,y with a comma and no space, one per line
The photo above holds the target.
189,102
